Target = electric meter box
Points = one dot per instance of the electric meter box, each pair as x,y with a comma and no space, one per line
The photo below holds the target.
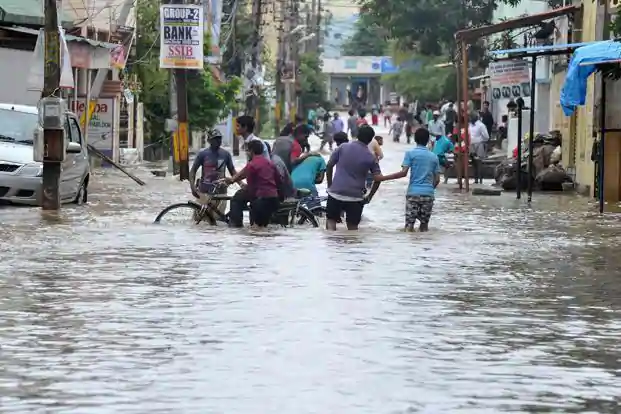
39,150
52,112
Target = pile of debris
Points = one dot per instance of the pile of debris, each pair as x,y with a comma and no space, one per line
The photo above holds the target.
548,173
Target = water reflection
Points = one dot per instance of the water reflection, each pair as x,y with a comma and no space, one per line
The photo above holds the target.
501,307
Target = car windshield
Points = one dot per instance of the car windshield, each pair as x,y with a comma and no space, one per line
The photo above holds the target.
17,126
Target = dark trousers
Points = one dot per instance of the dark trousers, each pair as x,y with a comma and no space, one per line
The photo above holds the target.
239,203
262,210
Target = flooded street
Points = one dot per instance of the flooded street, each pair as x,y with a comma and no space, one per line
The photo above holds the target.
500,308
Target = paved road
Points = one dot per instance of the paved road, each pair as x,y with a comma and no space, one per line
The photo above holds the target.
499,308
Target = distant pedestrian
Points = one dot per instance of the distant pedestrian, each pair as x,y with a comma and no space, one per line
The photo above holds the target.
352,124
396,129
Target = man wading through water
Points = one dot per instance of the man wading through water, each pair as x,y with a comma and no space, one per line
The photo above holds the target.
353,162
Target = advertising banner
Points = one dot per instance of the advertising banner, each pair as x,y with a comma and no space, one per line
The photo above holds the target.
181,36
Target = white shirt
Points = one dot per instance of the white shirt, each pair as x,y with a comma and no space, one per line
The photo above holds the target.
436,127
477,132
253,137
443,110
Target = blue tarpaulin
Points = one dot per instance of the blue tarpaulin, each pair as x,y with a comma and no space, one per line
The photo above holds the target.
574,89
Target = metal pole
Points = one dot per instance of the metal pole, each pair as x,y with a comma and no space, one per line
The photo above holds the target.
518,184
318,37
464,85
602,143
531,138
87,119
174,138
280,64
252,101
182,141
460,124
295,57
53,138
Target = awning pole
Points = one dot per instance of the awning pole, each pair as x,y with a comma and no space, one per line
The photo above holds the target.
520,133
602,142
531,139
464,85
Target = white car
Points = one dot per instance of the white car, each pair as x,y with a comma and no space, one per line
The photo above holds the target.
21,176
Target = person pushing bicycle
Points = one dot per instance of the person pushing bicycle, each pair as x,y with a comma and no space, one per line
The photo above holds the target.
213,162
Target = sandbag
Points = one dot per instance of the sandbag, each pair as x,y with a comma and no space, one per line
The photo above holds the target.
552,178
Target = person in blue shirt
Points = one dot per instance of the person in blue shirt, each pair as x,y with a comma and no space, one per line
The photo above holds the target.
424,168
442,147
310,172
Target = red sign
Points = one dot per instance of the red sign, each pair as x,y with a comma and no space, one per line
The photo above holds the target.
80,106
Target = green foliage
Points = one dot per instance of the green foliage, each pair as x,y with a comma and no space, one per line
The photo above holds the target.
429,83
369,39
312,81
208,99
429,26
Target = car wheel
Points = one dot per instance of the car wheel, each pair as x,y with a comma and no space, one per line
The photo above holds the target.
82,195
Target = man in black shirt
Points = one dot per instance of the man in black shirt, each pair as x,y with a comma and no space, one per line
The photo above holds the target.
487,118
450,117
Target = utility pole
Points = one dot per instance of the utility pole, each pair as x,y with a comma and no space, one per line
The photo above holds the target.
319,32
172,106
312,27
295,56
252,99
181,139
280,65
53,139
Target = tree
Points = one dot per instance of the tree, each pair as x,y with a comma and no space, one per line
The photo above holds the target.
369,39
208,99
429,26
426,81
312,81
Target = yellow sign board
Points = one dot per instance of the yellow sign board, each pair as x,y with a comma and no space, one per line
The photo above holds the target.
87,115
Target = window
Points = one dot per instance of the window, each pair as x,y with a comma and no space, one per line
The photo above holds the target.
19,126
76,134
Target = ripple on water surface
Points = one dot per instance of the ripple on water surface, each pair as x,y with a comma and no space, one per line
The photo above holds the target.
500,308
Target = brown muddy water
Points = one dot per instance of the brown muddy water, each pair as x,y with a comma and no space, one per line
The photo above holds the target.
500,308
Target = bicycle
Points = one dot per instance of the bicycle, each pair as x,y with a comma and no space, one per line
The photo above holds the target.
290,212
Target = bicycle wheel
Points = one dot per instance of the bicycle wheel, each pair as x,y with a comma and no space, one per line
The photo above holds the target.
305,217
188,212
319,211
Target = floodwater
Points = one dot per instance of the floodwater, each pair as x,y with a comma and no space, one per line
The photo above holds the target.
500,308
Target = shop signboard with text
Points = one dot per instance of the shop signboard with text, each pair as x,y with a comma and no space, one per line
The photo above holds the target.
101,127
510,79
